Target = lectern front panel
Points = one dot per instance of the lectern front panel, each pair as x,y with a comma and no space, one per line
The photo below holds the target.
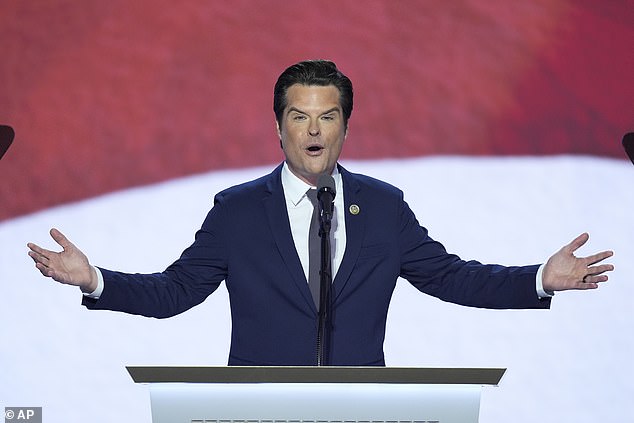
314,403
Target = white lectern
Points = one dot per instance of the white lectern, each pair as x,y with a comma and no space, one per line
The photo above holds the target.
314,394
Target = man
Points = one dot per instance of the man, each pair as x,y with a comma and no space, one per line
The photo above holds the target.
256,239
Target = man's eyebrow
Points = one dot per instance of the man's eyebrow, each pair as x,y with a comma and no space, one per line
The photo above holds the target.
295,109
334,109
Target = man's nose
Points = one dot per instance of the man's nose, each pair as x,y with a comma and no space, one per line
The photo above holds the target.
313,129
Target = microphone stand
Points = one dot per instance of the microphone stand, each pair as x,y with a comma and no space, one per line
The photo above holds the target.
325,273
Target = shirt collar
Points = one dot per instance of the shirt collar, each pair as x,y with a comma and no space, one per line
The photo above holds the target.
295,189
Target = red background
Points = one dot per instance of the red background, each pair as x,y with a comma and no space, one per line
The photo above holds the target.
107,95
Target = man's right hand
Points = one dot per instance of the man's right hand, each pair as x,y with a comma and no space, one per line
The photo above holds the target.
69,266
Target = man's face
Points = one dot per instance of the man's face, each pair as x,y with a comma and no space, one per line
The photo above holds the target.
312,130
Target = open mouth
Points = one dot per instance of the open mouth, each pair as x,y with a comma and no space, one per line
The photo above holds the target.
315,148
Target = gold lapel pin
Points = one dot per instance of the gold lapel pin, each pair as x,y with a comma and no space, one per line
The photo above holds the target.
354,209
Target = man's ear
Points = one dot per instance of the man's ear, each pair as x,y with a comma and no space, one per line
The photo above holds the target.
279,133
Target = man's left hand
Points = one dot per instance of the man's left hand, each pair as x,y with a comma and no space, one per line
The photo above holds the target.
564,271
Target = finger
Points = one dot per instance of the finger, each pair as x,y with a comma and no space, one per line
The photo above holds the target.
595,279
595,258
38,257
37,249
597,270
576,243
60,239
587,285
45,271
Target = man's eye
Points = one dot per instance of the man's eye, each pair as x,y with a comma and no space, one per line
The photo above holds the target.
299,117
328,117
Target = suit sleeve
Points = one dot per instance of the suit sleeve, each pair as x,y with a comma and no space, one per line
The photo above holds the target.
184,284
430,268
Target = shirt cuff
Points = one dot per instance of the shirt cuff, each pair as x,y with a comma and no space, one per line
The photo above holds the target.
97,292
539,284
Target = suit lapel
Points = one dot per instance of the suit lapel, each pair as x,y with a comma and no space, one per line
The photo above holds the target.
277,215
355,227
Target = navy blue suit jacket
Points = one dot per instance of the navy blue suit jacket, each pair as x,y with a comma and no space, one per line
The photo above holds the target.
246,240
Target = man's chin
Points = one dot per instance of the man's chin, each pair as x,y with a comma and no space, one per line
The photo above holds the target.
316,173
313,176
311,173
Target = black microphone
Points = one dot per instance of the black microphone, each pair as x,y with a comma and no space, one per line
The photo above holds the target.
326,195
6,138
628,145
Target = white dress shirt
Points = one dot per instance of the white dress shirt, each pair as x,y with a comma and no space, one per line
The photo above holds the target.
300,211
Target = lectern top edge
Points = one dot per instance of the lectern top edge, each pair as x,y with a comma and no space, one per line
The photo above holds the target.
313,374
